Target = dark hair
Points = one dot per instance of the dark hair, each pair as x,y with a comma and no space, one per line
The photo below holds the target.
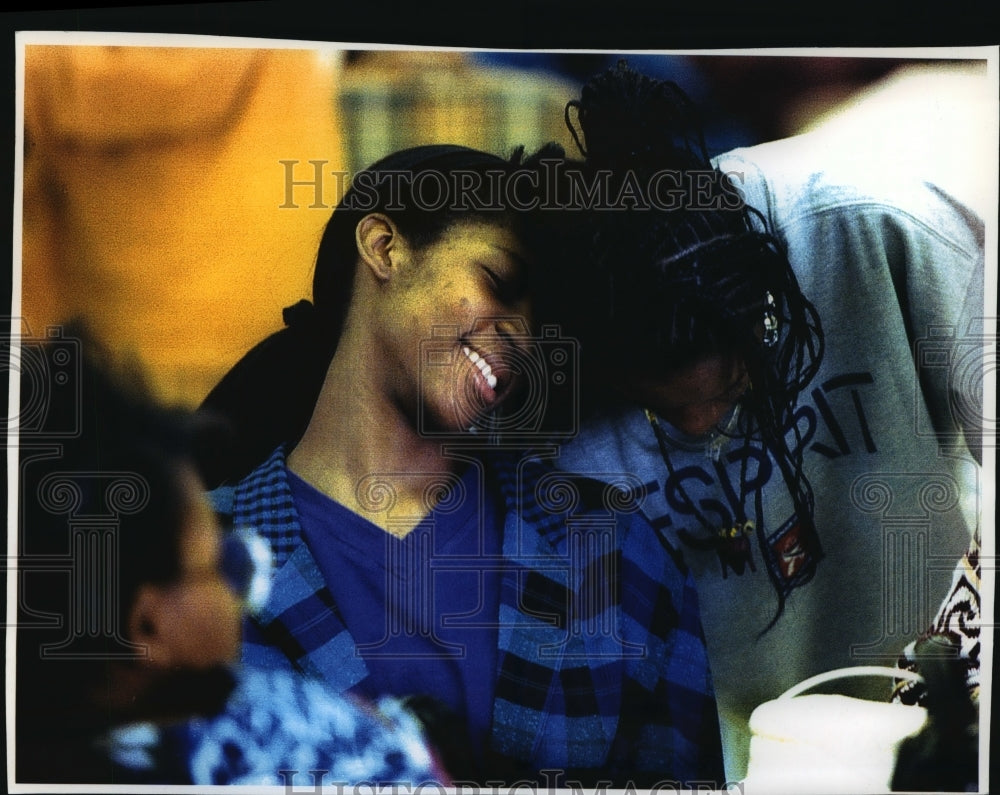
101,508
269,395
652,286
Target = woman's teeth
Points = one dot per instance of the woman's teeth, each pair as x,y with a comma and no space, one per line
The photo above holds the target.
483,366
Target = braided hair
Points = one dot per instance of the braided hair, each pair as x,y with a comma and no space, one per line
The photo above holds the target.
650,283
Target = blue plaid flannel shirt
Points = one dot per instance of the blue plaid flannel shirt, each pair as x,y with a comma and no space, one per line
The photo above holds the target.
602,671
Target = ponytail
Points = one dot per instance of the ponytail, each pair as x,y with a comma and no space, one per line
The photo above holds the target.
267,398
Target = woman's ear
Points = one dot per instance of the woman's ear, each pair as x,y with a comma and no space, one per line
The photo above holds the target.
147,625
377,240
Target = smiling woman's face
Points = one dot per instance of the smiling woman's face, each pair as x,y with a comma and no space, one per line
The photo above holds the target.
696,399
462,319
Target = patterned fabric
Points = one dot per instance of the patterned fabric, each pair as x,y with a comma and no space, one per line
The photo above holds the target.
279,728
390,101
958,621
602,669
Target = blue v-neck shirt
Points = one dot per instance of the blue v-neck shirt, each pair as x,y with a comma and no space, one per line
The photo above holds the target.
598,669
422,608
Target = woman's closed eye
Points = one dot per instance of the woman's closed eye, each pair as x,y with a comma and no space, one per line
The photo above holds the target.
507,288
737,391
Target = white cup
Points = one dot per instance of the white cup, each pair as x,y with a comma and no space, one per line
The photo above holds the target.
821,743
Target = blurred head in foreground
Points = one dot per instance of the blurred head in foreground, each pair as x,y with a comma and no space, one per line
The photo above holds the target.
126,612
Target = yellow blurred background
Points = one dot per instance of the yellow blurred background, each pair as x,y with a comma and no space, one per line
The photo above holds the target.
154,180
157,198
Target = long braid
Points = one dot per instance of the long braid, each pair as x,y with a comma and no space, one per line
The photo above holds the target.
667,287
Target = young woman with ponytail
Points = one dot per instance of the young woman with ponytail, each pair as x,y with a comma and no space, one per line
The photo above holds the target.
420,550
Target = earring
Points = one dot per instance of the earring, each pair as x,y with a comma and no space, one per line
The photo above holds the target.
770,321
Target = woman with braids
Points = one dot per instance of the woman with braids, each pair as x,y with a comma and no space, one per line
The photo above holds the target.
531,617
768,448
